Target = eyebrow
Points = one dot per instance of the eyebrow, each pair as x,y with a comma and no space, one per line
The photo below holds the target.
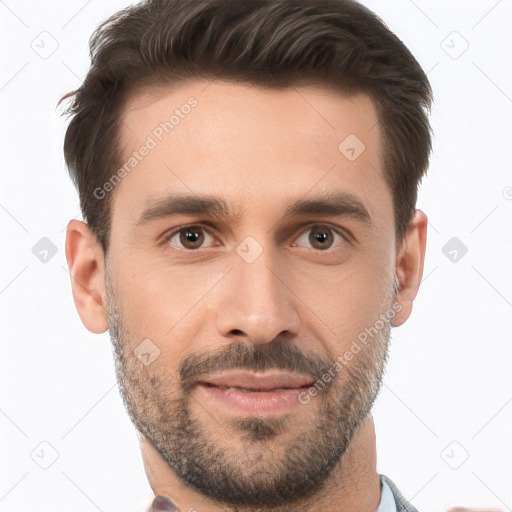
339,204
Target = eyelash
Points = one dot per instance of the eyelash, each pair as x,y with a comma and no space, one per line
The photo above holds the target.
345,238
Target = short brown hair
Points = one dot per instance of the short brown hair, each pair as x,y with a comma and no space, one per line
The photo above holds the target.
270,43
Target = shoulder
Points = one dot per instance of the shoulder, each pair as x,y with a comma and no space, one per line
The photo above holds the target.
402,505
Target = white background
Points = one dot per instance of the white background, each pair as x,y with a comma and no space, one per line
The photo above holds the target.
448,390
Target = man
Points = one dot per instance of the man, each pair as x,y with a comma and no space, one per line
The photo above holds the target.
248,174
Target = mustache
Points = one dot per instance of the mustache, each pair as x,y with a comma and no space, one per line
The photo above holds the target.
256,358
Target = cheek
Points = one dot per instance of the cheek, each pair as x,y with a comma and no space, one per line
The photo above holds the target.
162,301
349,298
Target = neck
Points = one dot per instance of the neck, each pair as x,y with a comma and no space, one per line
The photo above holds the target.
354,485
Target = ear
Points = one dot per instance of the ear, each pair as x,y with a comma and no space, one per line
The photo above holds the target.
86,263
409,265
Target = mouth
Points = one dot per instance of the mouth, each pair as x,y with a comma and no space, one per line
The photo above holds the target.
252,390
258,382
249,393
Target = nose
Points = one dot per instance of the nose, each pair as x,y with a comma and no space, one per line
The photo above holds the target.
256,301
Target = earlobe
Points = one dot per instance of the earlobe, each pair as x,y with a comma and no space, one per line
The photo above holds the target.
86,264
409,265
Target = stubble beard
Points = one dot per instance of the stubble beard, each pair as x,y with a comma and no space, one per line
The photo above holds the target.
249,473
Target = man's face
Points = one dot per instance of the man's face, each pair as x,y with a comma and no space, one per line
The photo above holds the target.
260,297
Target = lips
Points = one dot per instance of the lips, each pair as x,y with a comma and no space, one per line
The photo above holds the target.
258,382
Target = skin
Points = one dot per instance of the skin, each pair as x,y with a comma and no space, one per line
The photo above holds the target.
255,148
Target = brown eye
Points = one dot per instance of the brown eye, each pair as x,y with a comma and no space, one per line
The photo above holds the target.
189,237
322,237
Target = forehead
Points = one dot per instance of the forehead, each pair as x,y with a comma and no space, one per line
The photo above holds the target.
252,145
313,112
